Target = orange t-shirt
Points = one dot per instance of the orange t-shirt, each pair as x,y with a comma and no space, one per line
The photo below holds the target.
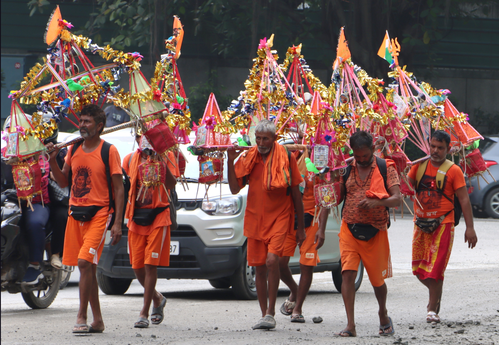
89,186
308,195
154,197
356,191
264,206
434,203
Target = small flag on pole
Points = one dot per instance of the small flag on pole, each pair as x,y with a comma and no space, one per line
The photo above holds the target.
384,50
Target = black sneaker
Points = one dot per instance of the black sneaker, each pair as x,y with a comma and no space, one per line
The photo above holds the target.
32,276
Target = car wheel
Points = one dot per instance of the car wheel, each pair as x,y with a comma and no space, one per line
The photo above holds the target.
243,281
222,283
338,278
112,286
492,203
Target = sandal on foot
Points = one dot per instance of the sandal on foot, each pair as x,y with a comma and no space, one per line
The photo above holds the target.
142,322
287,307
297,318
95,330
384,328
432,317
266,322
158,313
81,328
345,334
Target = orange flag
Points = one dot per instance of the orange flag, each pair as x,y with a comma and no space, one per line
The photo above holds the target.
178,31
316,103
53,28
342,52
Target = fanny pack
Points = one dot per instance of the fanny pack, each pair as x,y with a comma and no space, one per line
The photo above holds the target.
146,216
363,232
307,220
429,225
84,213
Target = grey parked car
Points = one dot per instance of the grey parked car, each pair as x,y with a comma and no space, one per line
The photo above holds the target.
485,200
209,241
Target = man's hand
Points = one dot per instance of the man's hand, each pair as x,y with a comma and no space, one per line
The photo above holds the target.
300,236
232,154
470,237
115,233
53,154
369,203
320,237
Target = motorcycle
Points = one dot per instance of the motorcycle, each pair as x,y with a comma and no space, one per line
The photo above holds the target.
15,258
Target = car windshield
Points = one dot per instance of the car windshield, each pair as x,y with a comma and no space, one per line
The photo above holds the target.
486,144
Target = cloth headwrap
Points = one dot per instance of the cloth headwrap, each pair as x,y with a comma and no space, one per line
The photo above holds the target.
276,171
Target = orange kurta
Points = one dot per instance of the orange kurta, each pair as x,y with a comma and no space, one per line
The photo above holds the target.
268,212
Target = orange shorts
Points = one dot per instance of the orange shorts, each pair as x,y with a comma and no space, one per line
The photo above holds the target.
152,249
308,253
375,255
258,250
85,240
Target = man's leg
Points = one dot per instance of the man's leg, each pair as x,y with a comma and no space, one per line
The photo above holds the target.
147,277
348,294
435,289
272,264
306,276
89,292
261,287
381,293
287,277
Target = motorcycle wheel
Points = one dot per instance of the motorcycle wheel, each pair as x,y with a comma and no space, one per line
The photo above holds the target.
41,299
65,276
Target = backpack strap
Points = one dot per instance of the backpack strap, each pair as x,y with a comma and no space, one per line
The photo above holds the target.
288,190
441,172
420,172
105,158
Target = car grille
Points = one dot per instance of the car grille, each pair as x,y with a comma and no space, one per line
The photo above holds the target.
184,231
188,204
176,261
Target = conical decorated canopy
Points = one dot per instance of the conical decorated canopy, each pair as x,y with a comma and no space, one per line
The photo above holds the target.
463,130
206,136
142,104
19,144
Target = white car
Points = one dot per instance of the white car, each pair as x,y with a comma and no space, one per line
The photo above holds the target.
209,241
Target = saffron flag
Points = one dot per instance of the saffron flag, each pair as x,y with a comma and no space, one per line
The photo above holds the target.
384,50
342,52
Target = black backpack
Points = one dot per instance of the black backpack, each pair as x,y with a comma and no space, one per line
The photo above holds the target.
105,158
381,163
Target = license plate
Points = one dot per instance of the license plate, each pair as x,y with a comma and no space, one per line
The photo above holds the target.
174,247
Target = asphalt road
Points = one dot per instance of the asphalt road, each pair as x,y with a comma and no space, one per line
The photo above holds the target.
196,313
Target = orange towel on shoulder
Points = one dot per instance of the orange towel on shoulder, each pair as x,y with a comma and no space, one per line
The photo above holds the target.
277,174
377,189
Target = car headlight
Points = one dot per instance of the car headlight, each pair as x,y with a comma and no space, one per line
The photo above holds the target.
227,206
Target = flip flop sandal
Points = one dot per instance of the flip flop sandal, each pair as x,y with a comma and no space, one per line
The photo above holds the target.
287,307
297,318
93,330
383,328
158,313
142,322
81,328
432,317
345,334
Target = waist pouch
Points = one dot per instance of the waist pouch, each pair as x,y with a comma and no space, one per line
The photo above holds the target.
84,213
428,225
146,216
363,232
307,221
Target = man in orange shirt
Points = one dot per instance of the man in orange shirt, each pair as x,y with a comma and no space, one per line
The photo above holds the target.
149,232
84,240
273,196
431,250
363,233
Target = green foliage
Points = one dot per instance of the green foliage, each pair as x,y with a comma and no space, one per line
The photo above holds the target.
198,96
